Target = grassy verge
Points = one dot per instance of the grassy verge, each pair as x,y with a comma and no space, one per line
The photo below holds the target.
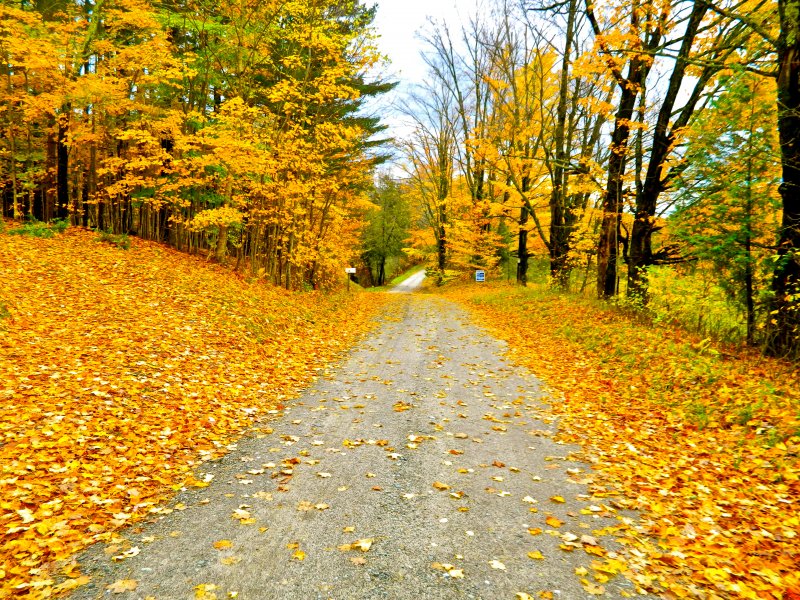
704,443
121,372
406,274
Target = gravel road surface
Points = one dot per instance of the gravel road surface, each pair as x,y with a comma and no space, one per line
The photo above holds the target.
417,469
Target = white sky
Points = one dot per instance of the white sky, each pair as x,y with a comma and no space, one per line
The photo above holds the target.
398,22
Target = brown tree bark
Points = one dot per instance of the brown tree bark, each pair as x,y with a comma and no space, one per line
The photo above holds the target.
630,85
559,217
62,164
785,313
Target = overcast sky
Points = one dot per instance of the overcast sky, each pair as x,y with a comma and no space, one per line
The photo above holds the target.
398,23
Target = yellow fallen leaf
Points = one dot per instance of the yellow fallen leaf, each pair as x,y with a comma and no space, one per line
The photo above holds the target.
523,596
595,590
230,560
205,591
440,486
559,499
535,530
536,555
456,573
223,544
553,521
240,514
26,514
299,555
122,585
363,545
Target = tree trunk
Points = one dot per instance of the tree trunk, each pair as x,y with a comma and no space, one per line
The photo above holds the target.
608,248
382,271
785,325
641,247
441,249
222,244
559,230
522,247
62,164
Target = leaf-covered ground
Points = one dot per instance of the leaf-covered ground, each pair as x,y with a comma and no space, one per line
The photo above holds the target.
704,443
122,371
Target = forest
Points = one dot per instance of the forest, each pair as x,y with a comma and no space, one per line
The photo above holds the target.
642,152
185,189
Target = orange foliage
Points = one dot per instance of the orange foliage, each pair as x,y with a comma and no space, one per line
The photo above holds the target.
120,372
703,443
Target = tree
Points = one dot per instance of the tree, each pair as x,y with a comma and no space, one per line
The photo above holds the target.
387,227
217,126
429,154
728,190
785,322
704,42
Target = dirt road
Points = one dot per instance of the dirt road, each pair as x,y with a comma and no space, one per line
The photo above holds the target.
417,469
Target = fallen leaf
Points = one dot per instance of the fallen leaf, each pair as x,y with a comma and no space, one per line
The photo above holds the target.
205,591
595,590
496,564
127,554
440,486
223,544
122,585
553,521
536,555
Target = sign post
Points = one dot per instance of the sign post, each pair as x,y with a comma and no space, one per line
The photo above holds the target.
349,271
480,276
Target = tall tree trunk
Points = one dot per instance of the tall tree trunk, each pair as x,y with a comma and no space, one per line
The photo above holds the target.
641,247
608,248
785,325
559,230
62,164
15,210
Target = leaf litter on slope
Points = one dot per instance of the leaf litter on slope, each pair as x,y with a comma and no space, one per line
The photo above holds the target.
704,446
121,372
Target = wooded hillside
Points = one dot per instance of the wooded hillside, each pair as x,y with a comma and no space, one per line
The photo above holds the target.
227,128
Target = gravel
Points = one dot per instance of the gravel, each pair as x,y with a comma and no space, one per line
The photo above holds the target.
426,377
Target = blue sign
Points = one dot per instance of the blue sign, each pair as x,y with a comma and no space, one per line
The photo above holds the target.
480,276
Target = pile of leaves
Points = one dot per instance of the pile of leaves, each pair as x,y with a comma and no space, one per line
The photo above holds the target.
703,441
120,372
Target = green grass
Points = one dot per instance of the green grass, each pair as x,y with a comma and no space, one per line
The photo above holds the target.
34,228
121,240
397,280
406,274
